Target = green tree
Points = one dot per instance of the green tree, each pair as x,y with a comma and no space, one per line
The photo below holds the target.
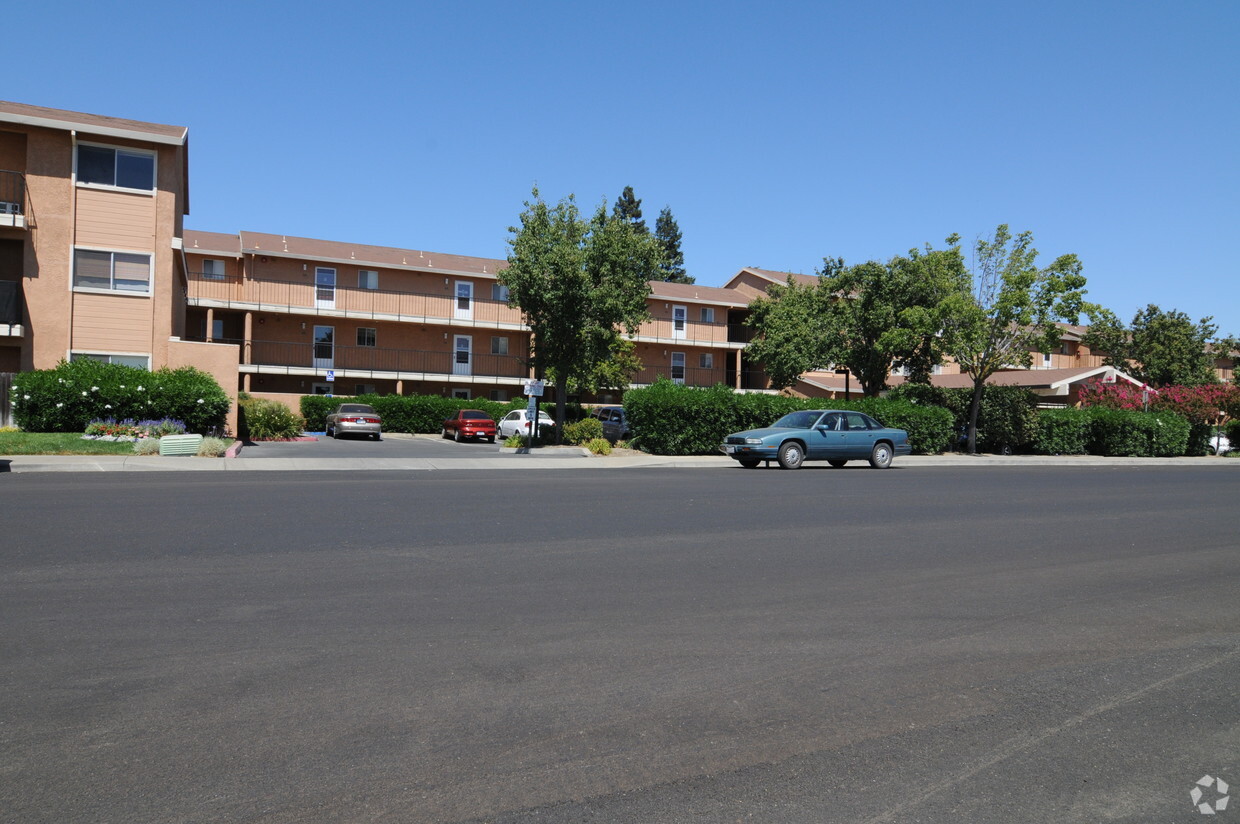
578,283
1159,348
667,233
864,317
1010,310
629,209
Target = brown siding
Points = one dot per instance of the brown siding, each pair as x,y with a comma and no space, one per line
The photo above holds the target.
115,220
111,323
13,151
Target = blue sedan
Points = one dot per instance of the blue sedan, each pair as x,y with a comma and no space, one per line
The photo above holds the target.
832,435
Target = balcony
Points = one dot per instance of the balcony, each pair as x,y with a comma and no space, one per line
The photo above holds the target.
12,199
259,295
753,379
310,359
11,310
689,333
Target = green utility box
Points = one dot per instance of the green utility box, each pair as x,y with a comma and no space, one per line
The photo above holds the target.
179,444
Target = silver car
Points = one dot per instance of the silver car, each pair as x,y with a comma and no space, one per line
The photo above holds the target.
354,419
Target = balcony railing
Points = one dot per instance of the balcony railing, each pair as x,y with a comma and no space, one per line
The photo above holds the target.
321,357
281,295
740,333
703,376
666,329
12,198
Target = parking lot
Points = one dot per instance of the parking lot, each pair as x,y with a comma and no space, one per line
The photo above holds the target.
392,445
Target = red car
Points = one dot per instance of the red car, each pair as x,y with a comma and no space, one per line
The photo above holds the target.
470,423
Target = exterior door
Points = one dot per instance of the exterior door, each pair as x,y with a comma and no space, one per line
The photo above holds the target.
462,356
678,367
464,309
679,324
858,437
324,288
324,347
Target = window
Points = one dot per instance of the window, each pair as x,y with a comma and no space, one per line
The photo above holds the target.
678,367
499,346
213,270
463,394
706,360
217,329
1047,361
708,314
323,389
123,168
113,271
139,361
363,389
367,279
499,292
679,316
366,336
499,395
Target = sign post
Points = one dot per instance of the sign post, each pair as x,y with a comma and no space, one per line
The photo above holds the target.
534,389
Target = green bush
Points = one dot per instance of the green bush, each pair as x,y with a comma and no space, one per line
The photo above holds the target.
1007,415
415,414
1232,432
146,446
68,397
1124,433
265,420
1063,432
582,431
669,419
212,448
599,446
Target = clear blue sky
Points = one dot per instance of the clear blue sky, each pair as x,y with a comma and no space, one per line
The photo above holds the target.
778,133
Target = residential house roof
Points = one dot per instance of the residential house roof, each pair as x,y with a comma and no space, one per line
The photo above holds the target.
331,251
95,124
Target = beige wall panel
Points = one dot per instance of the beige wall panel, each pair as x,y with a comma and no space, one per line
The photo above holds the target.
216,359
13,151
45,276
115,220
750,285
112,323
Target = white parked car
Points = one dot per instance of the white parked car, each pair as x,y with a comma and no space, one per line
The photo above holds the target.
1218,445
517,422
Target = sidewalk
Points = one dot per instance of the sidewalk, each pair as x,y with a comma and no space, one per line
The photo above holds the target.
500,461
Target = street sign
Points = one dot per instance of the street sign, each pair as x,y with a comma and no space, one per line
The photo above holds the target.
534,388
331,375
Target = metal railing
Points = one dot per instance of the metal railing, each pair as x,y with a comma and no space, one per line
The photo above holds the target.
12,193
276,295
309,355
703,376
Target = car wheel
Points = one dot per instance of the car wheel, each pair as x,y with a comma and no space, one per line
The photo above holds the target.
490,440
791,455
328,431
750,463
1006,449
443,433
880,458
837,462
458,437
376,436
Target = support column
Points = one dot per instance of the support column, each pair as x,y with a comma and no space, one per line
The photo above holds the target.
246,346
210,325
400,387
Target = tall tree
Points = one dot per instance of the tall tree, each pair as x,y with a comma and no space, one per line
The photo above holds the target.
667,233
629,209
1010,311
579,283
864,317
1160,348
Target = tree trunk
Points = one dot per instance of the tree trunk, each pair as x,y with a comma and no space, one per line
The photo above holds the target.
975,406
561,409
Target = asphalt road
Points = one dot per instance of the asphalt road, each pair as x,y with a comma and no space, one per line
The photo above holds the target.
929,645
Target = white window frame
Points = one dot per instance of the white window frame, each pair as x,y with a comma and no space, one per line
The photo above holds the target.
213,269
323,298
499,342
673,365
113,357
374,336
111,289
706,360
1048,360
463,290
460,367
708,314
680,321
499,292
320,362
116,150
368,279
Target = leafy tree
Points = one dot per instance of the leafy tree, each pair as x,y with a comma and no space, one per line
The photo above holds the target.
1010,310
629,209
863,317
579,283
667,233
1159,348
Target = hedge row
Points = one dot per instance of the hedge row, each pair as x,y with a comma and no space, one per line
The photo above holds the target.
70,396
669,419
1112,433
414,414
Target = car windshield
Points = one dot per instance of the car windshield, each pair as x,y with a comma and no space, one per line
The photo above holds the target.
475,416
357,408
798,420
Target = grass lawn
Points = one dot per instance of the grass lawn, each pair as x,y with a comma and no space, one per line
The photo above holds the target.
59,443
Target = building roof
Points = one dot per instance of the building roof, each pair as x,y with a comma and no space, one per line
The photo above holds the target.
700,294
775,277
95,124
215,243
1054,379
331,251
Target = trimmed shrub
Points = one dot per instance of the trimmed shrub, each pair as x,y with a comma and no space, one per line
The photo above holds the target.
68,397
1122,433
583,431
1007,416
264,420
413,414
1063,432
147,446
599,446
669,419
212,448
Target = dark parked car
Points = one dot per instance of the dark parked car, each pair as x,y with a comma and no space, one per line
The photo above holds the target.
831,435
615,425
469,424
354,418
